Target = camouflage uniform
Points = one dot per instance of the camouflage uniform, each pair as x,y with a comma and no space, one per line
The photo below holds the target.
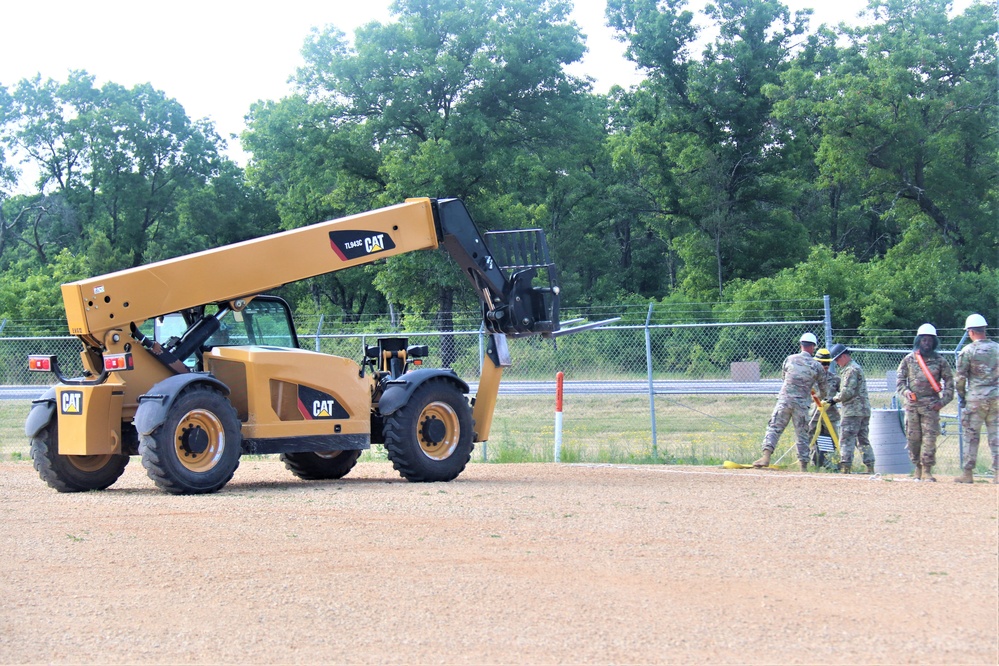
856,415
977,384
922,422
801,372
832,411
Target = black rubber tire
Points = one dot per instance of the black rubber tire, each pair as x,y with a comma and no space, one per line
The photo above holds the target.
320,466
72,474
186,471
418,458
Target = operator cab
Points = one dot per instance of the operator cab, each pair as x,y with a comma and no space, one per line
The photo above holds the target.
265,322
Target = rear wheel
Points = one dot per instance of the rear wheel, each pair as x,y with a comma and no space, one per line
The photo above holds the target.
196,450
319,466
72,474
430,437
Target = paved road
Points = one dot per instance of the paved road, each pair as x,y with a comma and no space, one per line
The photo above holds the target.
21,392
513,387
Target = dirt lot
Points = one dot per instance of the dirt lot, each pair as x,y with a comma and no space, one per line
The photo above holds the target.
509,564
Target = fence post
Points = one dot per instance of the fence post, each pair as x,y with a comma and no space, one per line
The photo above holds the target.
652,390
827,315
319,329
960,429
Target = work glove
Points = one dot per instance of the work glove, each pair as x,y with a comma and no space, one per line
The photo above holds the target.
829,403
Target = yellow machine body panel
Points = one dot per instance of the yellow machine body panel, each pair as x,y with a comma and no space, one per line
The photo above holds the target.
221,375
146,371
281,393
89,419
245,269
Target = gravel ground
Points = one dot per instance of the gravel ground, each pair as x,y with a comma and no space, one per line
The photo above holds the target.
525,563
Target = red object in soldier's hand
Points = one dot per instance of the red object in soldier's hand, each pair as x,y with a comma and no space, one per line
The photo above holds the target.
911,395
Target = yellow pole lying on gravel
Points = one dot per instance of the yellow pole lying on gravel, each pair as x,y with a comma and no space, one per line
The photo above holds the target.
728,464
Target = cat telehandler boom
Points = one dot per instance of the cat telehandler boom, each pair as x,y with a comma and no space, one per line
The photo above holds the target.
233,380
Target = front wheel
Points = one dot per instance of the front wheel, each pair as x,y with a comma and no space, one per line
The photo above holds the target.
72,474
320,466
196,450
430,437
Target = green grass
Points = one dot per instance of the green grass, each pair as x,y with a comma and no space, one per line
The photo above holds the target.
691,430
618,429
13,443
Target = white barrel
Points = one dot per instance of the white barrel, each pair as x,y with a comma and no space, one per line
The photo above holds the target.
891,456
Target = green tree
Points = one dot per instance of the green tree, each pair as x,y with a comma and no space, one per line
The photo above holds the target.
920,280
449,99
115,161
29,292
701,136
905,116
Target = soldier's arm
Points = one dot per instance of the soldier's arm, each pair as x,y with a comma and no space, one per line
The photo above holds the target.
834,384
902,380
848,386
947,377
961,377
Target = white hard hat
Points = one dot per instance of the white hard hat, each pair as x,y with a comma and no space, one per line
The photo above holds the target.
927,329
975,321
809,338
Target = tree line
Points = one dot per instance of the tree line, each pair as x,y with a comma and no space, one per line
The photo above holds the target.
761,160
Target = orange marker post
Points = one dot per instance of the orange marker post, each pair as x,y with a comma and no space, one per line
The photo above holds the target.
559,380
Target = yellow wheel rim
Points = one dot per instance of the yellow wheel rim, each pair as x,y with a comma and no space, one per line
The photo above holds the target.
199,440
89,463
438,430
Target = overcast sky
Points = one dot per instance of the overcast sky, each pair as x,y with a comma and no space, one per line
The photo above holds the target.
217,57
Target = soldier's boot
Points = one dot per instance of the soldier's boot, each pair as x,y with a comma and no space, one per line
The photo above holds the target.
803,464
928,473
764,460
918,473
846,468
965,477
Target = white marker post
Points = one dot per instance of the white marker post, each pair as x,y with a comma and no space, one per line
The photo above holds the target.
559,379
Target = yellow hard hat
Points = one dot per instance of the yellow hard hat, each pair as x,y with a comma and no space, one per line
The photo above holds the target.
823,356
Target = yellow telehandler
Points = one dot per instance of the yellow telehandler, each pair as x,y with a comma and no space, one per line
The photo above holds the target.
232,378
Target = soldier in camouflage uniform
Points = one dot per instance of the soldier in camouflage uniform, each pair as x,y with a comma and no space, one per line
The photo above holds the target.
856,411
977,384
922,400
801,373
819,457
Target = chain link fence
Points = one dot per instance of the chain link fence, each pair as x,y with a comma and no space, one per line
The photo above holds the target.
881,365
666,385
